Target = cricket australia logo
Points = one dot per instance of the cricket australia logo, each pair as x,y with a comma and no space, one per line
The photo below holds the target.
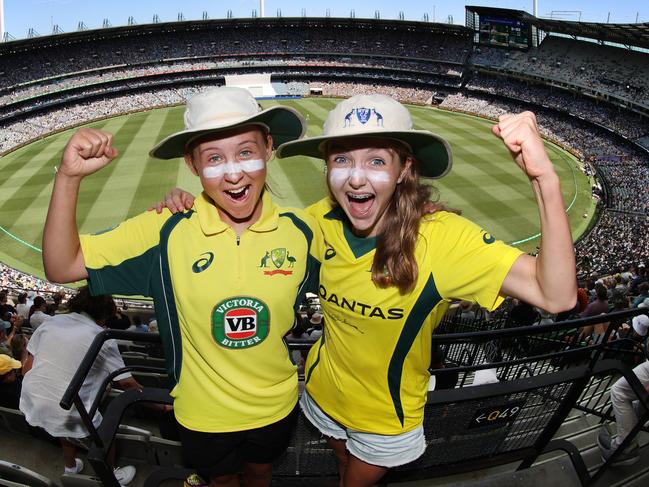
240,322
363,115
281,259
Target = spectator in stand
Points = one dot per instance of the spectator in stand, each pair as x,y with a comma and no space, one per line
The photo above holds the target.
55,306
522,314
31,295
466,311
56,351
10,382
138,325
316,326
19,348
38,313
298,334
119,321
582,298
600,305
22,308
643,293
5,305
8,330
622,397
642,277
5,340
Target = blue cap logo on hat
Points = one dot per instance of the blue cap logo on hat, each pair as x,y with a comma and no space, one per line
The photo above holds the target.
363,115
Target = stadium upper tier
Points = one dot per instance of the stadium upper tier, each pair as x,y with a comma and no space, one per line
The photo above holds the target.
33,59
32,67
585,66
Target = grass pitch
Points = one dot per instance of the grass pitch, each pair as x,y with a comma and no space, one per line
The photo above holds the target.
484,183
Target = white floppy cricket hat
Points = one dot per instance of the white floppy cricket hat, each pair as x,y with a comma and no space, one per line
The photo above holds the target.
226,108
382,117
640,324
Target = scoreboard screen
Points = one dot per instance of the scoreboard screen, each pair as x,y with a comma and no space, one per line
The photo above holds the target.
497,31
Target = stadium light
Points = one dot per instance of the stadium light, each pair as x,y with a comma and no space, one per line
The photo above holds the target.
2,20
262,9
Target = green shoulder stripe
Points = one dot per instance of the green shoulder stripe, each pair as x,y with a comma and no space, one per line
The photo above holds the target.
426,302
165,301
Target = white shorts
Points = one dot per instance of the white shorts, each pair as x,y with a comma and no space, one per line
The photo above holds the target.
381,450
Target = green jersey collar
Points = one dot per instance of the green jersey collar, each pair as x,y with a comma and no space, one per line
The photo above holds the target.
358,245
211,223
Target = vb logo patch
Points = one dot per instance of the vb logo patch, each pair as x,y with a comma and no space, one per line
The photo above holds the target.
281,259
240,322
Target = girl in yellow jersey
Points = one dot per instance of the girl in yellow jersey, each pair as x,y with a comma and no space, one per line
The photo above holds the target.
226,277
390,266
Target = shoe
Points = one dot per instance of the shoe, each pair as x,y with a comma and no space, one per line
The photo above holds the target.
604,439
125,474
628,457
195,480
78,467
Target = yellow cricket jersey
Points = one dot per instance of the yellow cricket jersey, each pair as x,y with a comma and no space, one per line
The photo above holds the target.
223,305
369,371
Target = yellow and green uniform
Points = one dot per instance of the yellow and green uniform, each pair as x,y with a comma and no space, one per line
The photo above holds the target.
223,305
369,371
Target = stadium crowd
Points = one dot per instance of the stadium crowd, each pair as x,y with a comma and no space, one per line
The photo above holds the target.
17,66
585,65
203,67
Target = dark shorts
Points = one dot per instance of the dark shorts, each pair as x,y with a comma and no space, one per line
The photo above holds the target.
217,454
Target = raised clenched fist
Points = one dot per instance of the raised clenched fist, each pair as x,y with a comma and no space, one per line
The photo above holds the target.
86,152
520,135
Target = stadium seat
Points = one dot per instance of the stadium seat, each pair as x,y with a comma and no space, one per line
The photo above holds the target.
14,475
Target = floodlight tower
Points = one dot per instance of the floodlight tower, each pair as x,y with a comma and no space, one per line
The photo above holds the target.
2,20
536,8
261,8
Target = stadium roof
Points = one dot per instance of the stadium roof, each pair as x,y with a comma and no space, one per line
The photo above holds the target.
628,34
260,22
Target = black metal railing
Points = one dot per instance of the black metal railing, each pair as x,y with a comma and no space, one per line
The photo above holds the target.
543,372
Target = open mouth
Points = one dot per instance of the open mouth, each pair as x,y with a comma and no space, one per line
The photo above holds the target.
239,193
360,204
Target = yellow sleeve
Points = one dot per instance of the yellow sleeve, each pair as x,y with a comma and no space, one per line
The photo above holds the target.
473,264
119,260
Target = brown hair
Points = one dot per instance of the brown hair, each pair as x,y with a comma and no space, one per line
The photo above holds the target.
394,260
100,308
18,346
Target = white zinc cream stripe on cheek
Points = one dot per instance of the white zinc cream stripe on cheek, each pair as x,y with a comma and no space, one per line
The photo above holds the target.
230,167
341,174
